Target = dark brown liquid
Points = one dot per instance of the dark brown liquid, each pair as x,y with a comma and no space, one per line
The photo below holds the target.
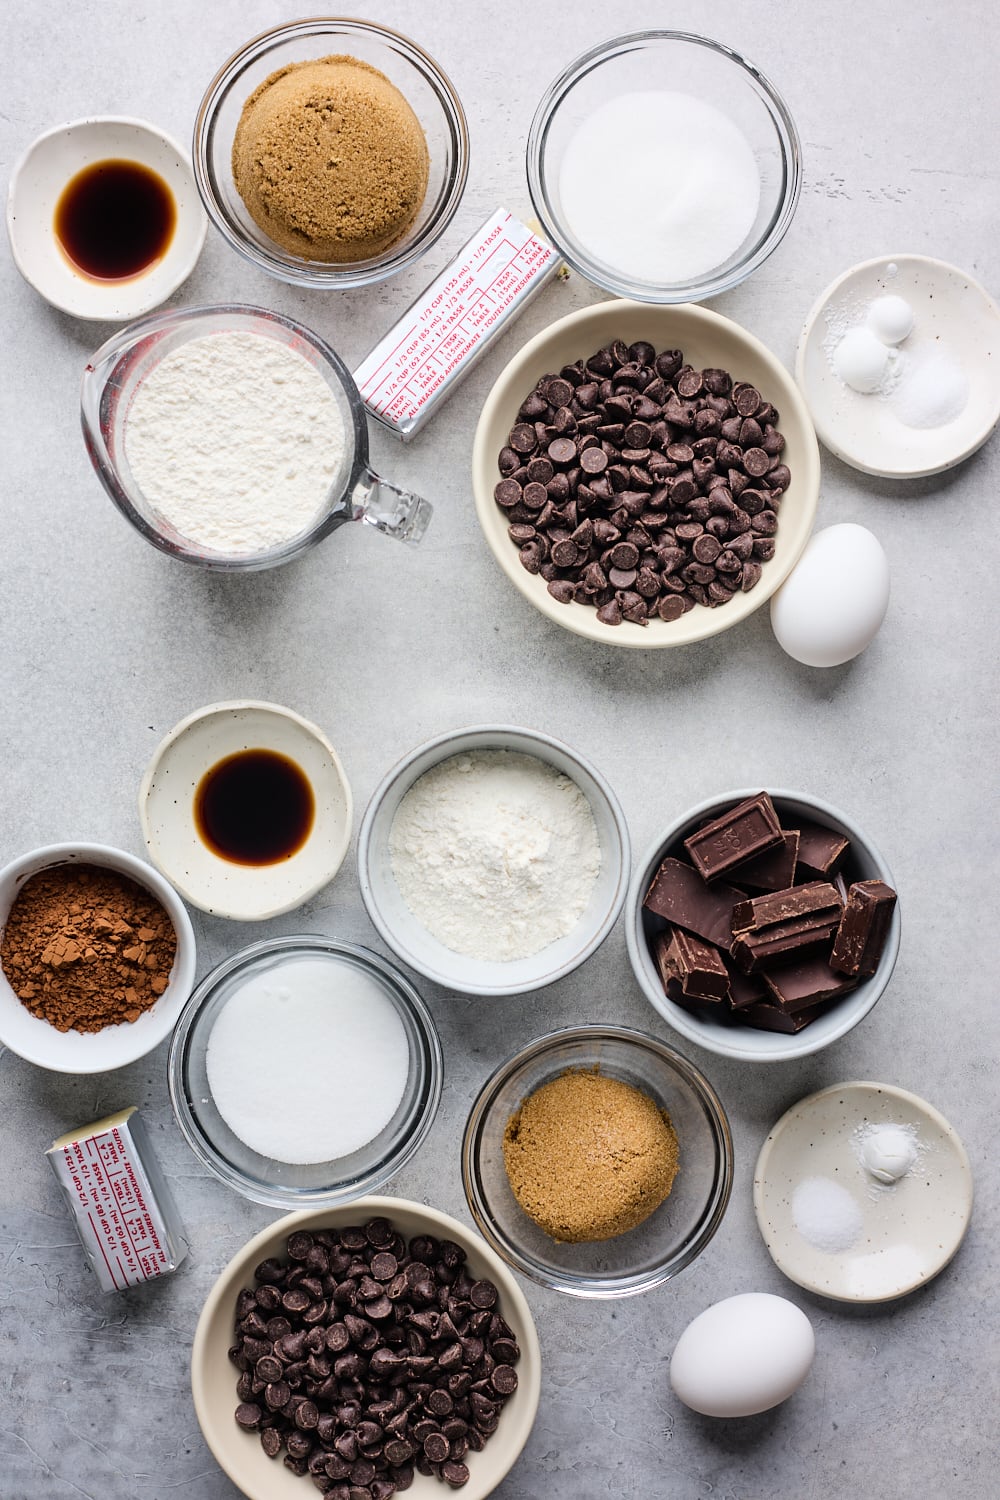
115,219
254,808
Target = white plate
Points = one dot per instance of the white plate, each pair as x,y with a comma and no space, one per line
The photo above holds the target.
36,185
246,893
910,1231
953,314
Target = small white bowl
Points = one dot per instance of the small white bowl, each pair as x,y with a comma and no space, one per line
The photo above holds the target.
954,315
246,893
910,1230
37,183
99,1051
410,940
730,1039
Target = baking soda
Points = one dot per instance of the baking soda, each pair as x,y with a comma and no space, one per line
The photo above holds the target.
661,186
307,1061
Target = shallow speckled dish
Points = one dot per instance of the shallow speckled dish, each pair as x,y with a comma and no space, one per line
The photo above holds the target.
246,893
707,339
954,314
910,1231
36,185
213,1377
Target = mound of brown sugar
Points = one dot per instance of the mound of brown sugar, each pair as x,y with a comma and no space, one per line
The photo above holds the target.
330,160
589,1157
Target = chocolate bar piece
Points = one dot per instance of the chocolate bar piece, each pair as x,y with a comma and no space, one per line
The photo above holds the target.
680,896
773,1018
821,850
863,929
785,927
744,989
748,829
702,974
813,982
774,870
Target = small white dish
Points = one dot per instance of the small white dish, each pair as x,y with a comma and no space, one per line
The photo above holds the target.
244,892
410,939
36,185
910,1230
97,1051
954,315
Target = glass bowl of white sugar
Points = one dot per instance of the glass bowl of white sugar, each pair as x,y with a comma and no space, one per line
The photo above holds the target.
664,166
493,860
234,438
305,1071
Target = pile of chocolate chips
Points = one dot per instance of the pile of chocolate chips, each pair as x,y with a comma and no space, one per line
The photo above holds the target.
774,949
639,485
368,1360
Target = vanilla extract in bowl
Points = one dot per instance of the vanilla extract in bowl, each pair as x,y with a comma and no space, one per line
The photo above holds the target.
256,807
115,219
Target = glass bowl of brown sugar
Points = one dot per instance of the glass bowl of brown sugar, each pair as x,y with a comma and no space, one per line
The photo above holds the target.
531,1161
331,153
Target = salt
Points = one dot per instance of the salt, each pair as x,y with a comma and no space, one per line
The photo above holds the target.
660,186
826,1215
933,390
307,1061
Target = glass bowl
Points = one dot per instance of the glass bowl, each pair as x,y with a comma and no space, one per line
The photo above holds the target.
420,80
674,1235
282,1184
725,1037
113,376
687,64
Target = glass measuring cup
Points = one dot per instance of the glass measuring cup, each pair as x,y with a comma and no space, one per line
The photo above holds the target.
356,492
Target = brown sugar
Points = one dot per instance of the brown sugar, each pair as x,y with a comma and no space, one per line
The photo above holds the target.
589,1157
330,160
85,947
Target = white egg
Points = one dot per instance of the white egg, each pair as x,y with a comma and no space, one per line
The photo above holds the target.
890,318
861,360
834,600
743,1355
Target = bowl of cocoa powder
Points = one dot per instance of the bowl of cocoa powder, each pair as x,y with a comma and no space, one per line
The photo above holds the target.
97,957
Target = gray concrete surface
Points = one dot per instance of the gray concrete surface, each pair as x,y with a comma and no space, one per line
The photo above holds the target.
104,644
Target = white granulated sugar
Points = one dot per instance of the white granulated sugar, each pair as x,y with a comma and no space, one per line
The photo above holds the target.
307,1061
826,1215
235,439
495,853
661,186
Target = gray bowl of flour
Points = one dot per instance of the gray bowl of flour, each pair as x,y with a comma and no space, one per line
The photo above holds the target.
493,860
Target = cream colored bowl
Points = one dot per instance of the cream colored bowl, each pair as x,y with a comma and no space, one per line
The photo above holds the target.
707,340
213,1377
246,893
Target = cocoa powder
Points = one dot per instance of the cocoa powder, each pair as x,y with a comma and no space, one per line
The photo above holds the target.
86,947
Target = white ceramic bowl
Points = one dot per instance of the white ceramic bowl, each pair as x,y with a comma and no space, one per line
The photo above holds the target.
410,940
910,1230
953,314
99,1051
213,1377
246,893
706,339
36,185
733,1039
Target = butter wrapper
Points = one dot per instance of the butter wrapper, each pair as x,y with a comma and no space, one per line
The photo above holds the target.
413,370
125,1213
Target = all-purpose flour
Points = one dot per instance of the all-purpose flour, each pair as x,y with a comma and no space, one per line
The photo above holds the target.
496,853
234,439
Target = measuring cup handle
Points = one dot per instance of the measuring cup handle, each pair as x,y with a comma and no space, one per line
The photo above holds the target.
388,508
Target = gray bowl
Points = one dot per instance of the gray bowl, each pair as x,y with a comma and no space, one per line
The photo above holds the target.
410,940
732,1039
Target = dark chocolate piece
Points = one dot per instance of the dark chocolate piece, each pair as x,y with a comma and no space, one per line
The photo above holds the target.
746,830
756,913
863,929
821,850
773,1018
810,983
702,974
679,895
786,926
774,870
744,989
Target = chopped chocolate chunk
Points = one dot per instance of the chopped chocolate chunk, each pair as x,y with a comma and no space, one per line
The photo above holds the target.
808,983
746,830
864,927
698,967
679,895
821,850
774,870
